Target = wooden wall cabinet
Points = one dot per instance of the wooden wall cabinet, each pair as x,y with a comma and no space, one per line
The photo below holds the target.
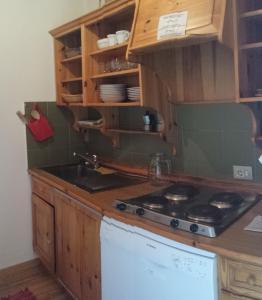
248,14
69,64
218,60
81,67
204,23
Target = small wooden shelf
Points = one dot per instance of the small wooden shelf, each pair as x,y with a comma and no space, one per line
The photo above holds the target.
109,49
75,104
251,46
89,126
116,74
74,58
114,104
251,14
126,131
250,99
72,79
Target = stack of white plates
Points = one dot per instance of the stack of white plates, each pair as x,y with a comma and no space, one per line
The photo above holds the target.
133,93
112,92
258,93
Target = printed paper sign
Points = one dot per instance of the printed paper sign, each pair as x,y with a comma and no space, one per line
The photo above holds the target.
172,25
255,225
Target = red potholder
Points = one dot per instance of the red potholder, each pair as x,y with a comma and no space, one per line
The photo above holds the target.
41,128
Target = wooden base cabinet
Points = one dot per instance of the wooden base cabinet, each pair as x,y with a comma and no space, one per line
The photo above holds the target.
43,231
66,238
78,248
240,280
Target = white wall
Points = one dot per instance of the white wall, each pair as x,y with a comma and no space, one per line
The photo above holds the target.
26,74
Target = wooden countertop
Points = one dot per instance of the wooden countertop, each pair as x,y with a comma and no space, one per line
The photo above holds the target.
234,242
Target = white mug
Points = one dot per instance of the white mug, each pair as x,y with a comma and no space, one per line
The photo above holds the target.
122,36
112,40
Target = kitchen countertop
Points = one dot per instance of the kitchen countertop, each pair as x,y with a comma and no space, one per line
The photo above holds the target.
234,242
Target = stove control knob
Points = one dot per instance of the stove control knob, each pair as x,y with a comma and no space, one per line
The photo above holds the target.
121,206
140,211
194,228
174,223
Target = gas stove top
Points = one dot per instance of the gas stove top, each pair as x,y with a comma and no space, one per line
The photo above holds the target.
198,209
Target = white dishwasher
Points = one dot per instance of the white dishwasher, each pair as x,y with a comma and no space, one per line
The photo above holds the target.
137,265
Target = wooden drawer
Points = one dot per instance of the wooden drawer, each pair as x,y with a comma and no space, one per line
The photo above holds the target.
241,278
228,296
42,189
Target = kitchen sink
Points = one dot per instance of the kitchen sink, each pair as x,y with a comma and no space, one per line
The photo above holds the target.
92,180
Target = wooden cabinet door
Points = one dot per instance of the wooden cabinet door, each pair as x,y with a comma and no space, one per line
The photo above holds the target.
43,231
78,248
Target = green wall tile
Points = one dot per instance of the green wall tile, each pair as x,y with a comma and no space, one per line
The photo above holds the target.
58,156
211,139
37,157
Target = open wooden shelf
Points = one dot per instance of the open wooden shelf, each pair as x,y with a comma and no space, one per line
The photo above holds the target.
75,104
251,14
88,126
109,49
251,46
114,104
250,99
72,79
74,58
127,131
116,74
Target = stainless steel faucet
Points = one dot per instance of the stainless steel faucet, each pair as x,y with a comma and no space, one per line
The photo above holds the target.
89,159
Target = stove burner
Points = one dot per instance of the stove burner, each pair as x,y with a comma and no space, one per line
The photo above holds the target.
154,202
204,213
225,200
180,193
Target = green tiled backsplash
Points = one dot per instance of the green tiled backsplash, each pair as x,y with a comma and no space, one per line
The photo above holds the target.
58,149
212,138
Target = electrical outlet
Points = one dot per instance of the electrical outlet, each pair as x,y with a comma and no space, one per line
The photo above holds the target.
242,172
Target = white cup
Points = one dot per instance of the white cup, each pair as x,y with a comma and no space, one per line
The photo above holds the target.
112,39
122,36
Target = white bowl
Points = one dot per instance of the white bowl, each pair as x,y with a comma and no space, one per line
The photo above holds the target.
102,43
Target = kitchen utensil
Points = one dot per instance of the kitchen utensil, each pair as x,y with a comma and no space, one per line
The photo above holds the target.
22,117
